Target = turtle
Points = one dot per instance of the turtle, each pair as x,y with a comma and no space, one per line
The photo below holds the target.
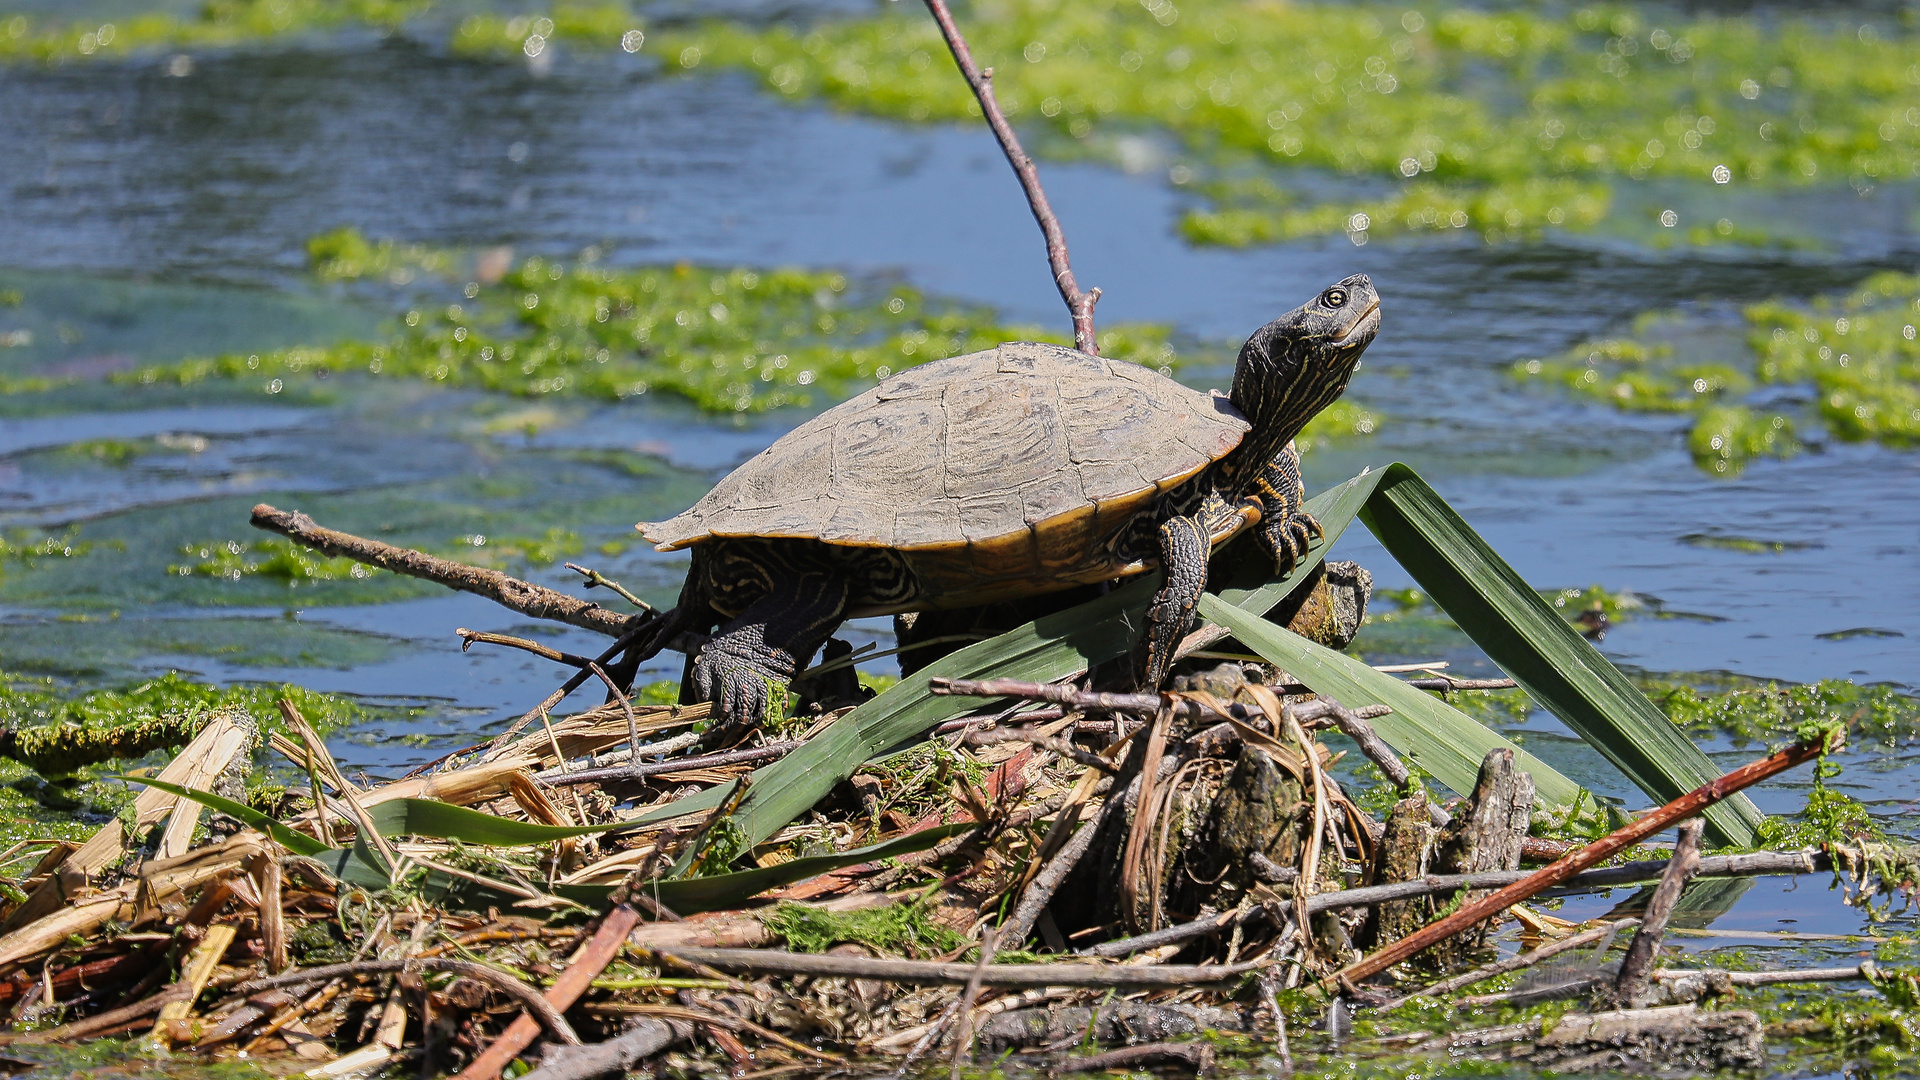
1000,474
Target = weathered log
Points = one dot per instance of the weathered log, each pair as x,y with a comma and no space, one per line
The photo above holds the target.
1486,835
1402,855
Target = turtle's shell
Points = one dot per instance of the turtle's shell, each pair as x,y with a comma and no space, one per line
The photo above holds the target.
1007,463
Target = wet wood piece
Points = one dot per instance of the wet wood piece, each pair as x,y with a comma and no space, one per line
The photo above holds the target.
1631,985
1405,846
645,1038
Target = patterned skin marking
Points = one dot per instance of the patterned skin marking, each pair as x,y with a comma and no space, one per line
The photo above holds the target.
782,598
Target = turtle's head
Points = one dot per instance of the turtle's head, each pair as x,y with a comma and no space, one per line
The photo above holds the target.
1297,364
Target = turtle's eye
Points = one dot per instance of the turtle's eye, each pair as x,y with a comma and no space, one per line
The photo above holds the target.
1335,298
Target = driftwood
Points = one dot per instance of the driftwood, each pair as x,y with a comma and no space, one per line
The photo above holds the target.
1486,835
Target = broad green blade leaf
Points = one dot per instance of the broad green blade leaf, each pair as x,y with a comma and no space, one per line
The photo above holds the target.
297,842
1040,651
1439,738
444,821
1555,665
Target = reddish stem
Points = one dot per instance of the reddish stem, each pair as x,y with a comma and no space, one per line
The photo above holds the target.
1079,304
599,951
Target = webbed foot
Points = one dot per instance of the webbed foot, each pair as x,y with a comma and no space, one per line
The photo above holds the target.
739,673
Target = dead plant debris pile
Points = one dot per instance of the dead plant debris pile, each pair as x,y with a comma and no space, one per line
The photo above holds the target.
1076,870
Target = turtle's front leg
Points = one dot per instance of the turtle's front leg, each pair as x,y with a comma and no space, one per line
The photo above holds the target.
1184,547
1286,530
764,647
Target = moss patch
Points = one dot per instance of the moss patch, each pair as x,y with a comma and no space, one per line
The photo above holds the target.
905,928
1853,359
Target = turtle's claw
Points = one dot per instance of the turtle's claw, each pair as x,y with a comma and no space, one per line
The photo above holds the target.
1291,537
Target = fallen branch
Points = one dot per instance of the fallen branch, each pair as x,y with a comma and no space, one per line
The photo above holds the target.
1684,807
769,962
1197,1056
1079,304
524,597
1861,970
1355,727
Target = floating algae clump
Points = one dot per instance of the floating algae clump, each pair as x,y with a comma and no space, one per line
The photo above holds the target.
1855,357
728,339
213,24
57,731
1501,122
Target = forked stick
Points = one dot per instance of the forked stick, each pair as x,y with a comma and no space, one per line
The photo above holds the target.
1079,304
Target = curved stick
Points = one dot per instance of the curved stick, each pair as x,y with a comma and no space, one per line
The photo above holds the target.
1079,304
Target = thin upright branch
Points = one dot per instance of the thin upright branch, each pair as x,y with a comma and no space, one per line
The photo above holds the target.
1079,304
1631,984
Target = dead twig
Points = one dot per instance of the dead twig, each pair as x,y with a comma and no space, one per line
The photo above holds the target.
1631,984
595,579
1355,727
963,1037
469,637
1079,304
1142,705
1685,806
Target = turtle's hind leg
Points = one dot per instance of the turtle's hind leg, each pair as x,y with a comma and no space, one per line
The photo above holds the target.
764,647
1184,546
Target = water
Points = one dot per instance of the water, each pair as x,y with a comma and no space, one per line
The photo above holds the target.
150,218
